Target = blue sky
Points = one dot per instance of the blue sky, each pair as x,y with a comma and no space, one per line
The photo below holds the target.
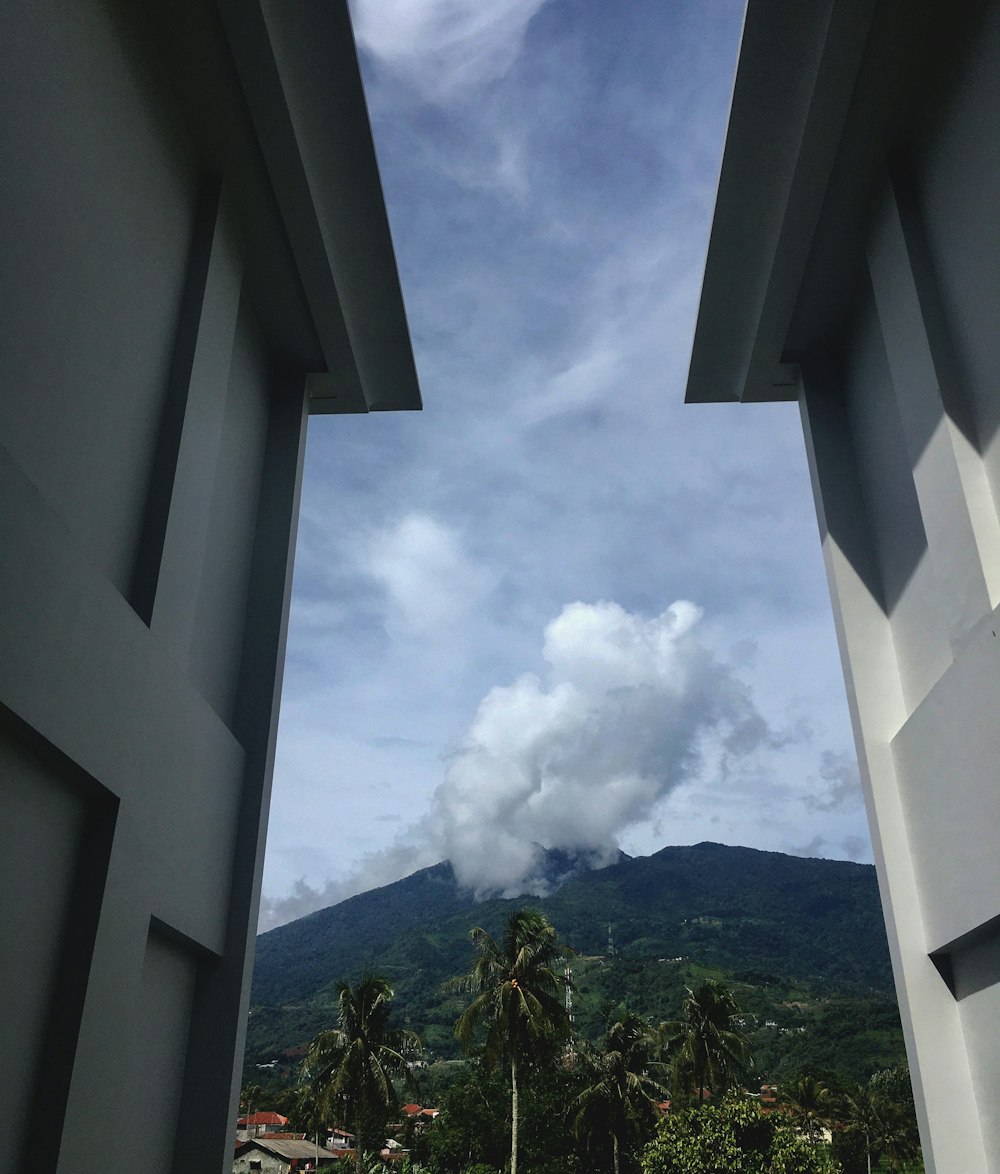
558,607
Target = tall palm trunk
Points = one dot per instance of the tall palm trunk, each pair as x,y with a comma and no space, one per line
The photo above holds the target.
514,1110
614,1143
361,1142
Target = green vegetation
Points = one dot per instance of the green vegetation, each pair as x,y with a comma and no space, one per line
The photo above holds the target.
878,1122
708,1046
620,1099
349,1070
516,986
800,942
734,1136
536,1095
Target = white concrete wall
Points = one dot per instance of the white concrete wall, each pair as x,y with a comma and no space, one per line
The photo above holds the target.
902,421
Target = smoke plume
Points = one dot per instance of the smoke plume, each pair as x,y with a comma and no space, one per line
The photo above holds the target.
627,709
625,712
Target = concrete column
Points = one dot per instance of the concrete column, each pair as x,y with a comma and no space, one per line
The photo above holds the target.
943,1087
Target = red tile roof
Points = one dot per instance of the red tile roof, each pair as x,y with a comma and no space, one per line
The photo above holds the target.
262,1119
411,1110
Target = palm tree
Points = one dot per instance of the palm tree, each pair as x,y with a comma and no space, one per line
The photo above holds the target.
812,1106
351,1068
894,1132
518,991
621,1099
251,1096
887,1126
707,1044
859,1110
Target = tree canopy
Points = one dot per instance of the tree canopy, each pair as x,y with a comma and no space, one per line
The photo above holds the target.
620,1098
735,1136
351,1068
709,1048
517,990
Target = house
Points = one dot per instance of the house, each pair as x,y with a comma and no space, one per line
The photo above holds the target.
854,270
257,1124
196,263
279,1157
337,1138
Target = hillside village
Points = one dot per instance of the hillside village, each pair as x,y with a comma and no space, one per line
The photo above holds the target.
264,1143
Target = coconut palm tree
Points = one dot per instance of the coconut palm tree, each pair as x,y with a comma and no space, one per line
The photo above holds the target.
707,1045
894,1132
887,1127
351,1068
812,1107
620,1101
518,994
859,1113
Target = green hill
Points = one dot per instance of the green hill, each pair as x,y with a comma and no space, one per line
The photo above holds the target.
802,940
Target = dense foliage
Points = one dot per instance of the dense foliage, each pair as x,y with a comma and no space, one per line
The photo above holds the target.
350,1069
736,1137
536,1094
801,942
517,991
619,1100
708,1046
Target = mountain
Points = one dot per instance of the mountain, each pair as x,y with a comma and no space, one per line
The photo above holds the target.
797,934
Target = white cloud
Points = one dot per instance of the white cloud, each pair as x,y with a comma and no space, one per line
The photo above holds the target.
429,581
444,48
624,714
374,870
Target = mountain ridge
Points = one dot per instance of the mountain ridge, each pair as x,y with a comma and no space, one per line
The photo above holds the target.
731,907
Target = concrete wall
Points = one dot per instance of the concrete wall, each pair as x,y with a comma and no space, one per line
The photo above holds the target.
901,419
154,345
861,136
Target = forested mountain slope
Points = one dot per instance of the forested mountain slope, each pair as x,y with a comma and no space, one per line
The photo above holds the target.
792,932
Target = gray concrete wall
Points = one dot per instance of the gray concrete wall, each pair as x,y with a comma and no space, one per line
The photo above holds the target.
861,136
151,438
901,419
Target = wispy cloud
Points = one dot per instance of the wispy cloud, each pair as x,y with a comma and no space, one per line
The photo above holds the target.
444,49
839,783
429,580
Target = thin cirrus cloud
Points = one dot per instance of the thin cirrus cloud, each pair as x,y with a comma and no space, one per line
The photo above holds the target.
444,48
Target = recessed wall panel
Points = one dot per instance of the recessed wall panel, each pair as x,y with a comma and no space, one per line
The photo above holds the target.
166,995
217,635
980,1015
97,201
958,188
911,596
43,820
